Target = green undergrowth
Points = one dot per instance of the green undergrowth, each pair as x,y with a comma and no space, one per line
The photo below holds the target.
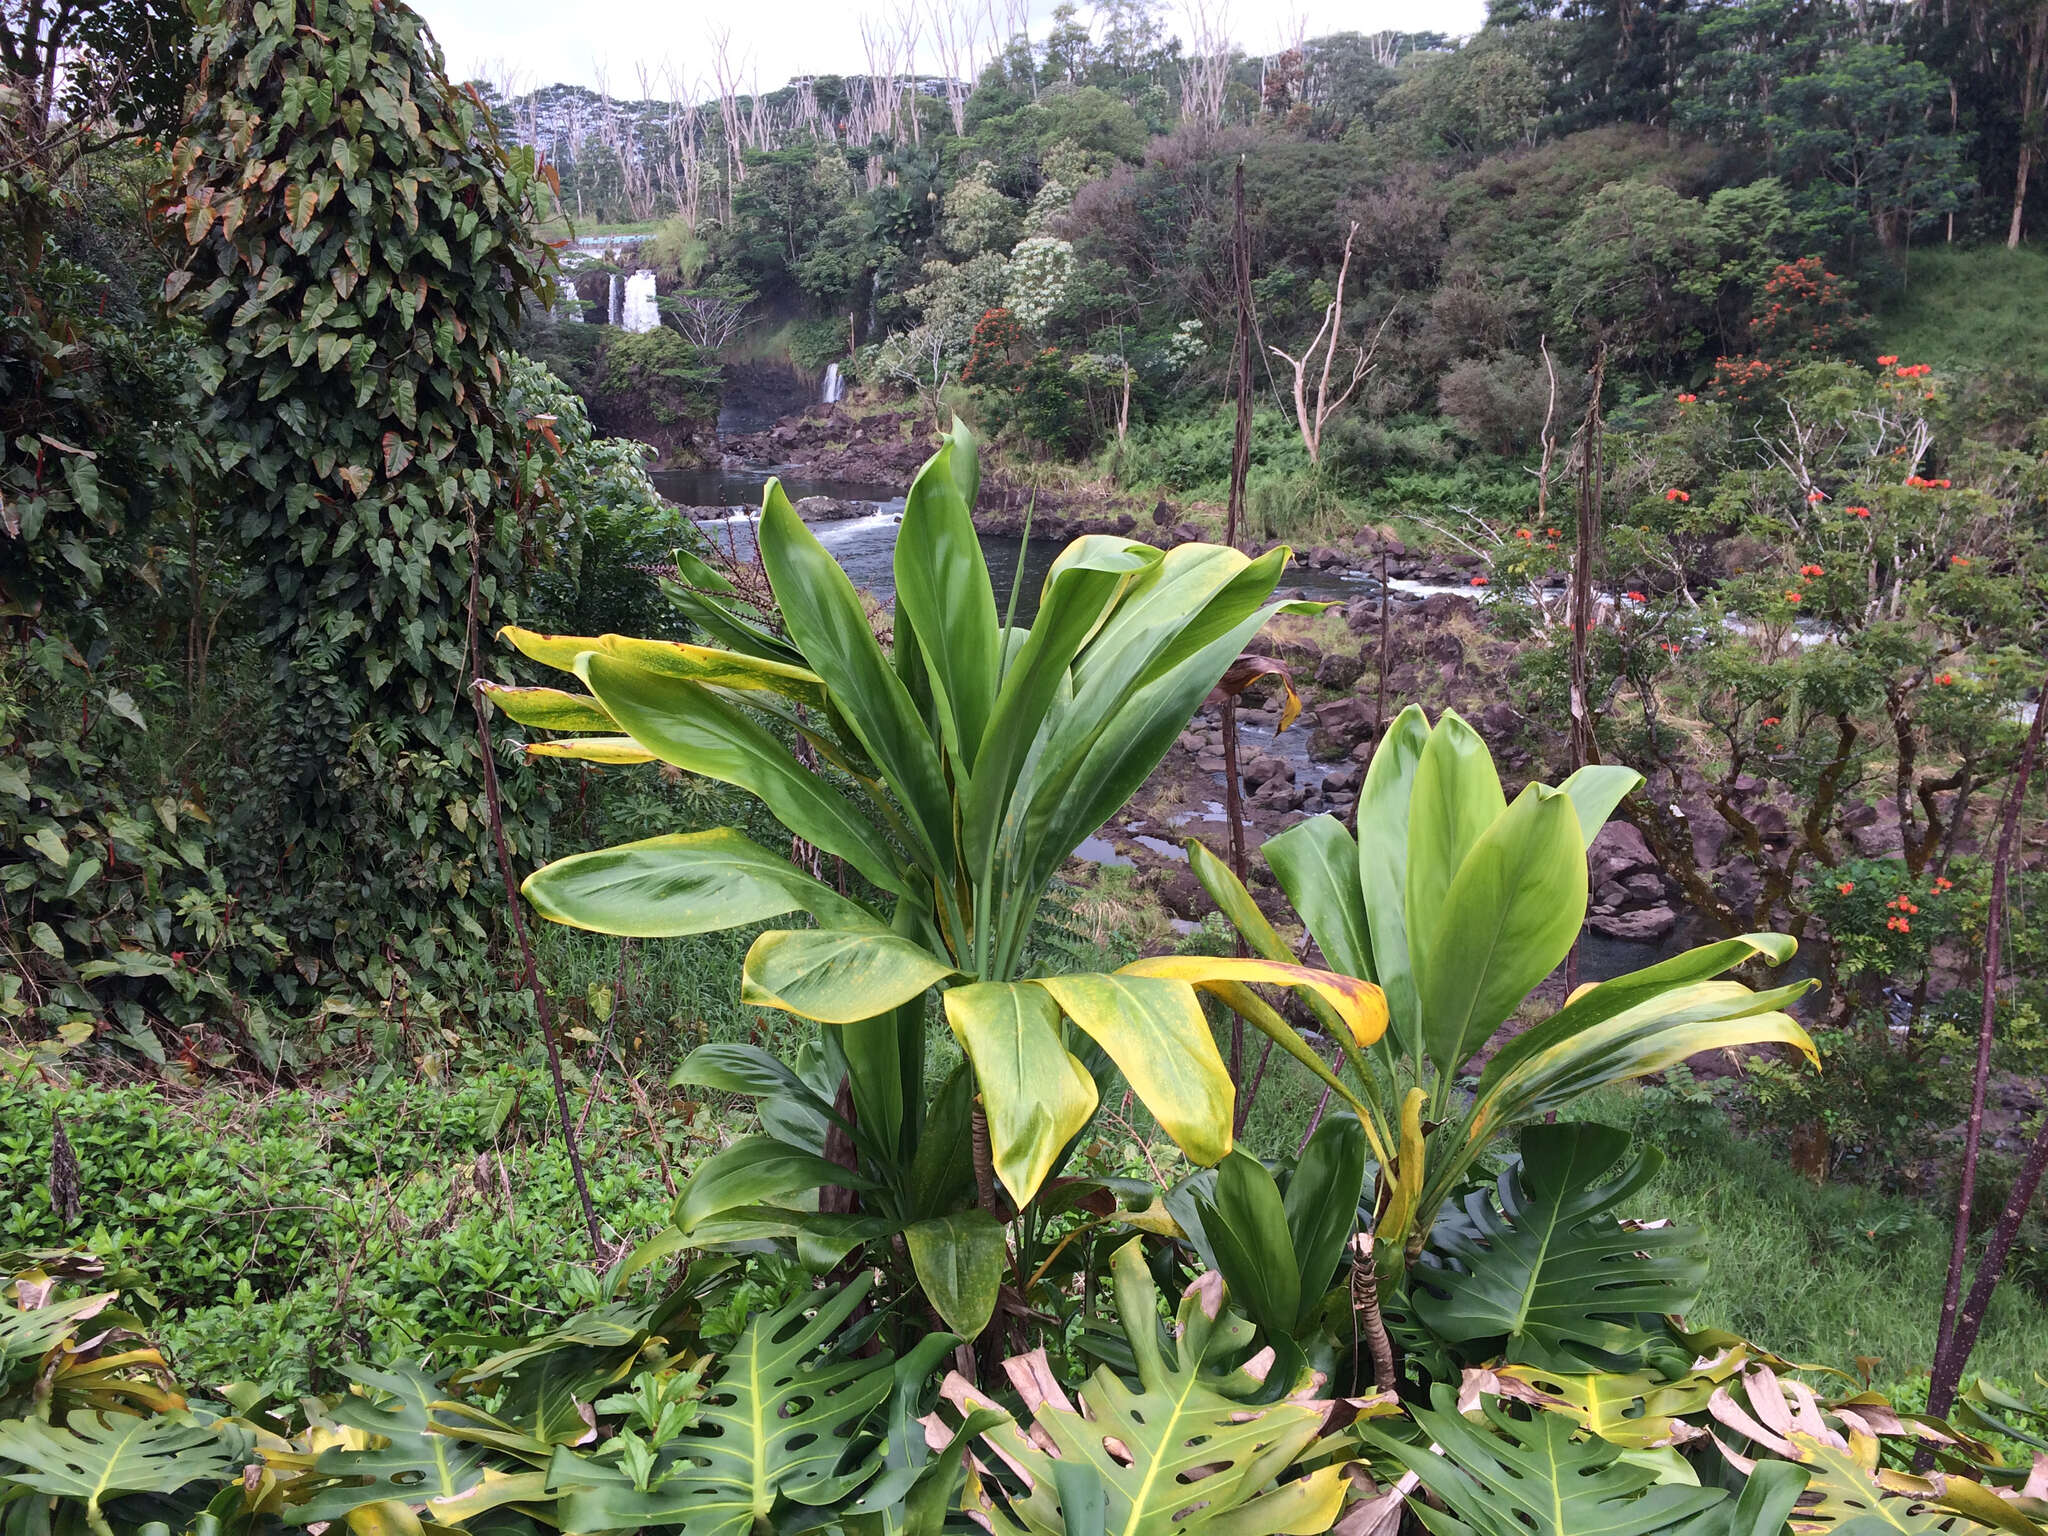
1970,308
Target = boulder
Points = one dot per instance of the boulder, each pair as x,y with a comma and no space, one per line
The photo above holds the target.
1644,887
1338,671
1643,926
1618,851
1499,722
828,509
1163,514
1267,768
1187,533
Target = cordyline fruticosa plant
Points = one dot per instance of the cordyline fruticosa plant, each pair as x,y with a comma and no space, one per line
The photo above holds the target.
956,776
1458,903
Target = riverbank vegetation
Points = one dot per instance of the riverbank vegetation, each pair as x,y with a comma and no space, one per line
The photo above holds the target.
516,1019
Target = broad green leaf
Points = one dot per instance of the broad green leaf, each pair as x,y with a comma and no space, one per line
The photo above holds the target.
1156,1033
1456,797
1359,1006
100,1456
1322,1202
414,1463
1383,811
1173,1428
758,1170
1235,903
1541,1263
943,595
683,883
550,709
1035,1095
837,977
942,1167
1079,590
959,1263
826,620
1316,864
1506,1476
1596,790
885,1072
1637,1410
688,725
729,1067
1245,1221
614,751
716,668
712,603
1502,925
782,1414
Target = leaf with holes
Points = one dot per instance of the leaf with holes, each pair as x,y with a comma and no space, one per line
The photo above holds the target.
1168,1456
1540,1263
784,1423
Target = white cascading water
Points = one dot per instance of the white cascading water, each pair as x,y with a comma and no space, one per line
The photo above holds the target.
611,313
639,312
830,391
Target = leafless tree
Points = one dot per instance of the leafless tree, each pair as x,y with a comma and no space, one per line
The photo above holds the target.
726,78
1205,77
1311,417
707,320
957,35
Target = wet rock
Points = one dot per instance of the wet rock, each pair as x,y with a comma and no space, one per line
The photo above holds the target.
1441,606
1342,780
1346,719
1618,851
1644,926
828,509
1210,762
1267,768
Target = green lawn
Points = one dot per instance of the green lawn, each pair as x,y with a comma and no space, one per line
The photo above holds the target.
1969,308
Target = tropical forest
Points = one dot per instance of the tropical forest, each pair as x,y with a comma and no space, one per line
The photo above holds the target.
1139,772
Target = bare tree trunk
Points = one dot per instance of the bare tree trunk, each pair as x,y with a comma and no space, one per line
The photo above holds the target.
1590,487
1951,1346
1240,467
2037,56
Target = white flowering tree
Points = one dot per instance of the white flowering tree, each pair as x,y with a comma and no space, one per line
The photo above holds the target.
1041,271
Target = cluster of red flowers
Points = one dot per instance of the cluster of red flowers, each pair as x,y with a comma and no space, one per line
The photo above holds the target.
1478,581
1941,883
1913,370
1814,496
1921,483
1688,399
1959,561
1903,908
1846,887
1809,304
1857,511
1670,645
1675,494
1811,570
1946,680
1794,597
1772,720
1735,377
1525,533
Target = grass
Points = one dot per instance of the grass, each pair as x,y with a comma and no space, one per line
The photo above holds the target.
1959,307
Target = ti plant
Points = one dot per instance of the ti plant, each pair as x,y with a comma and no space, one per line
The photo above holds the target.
953,775
1457,903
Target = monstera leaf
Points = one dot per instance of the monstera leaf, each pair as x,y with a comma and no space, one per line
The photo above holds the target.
1170,1456
415,1463
1540,1261
99,1457
1511,1476
781,1422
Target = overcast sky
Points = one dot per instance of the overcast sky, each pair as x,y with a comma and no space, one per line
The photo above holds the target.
537,42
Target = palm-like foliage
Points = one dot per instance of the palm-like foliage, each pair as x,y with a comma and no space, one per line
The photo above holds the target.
956,773
1457,904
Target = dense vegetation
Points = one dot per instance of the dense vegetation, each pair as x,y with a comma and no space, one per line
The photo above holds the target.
517,1020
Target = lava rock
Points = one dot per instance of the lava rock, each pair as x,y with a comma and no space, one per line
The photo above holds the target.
1644,926
1618,851
828,509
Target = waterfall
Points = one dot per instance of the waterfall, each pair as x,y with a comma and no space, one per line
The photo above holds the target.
568,303
640,313
832,389
611,314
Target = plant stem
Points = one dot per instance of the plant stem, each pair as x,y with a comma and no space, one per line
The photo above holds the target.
1952,1343
1240,466
531,971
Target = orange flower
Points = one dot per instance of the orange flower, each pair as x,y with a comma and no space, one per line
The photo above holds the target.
1857,511
1846,887
1947,679
1675,494
1943,883
1688,399
1813,496
1811,570
1525,533
1552,533
1478,581
1771,720
1635,597
1886,362
1792,597
1959,561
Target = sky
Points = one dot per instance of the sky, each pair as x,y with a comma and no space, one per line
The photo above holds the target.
595,42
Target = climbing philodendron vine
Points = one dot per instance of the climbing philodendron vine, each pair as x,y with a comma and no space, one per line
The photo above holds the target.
357,249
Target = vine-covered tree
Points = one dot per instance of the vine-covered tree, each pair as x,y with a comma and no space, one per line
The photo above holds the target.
357,252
